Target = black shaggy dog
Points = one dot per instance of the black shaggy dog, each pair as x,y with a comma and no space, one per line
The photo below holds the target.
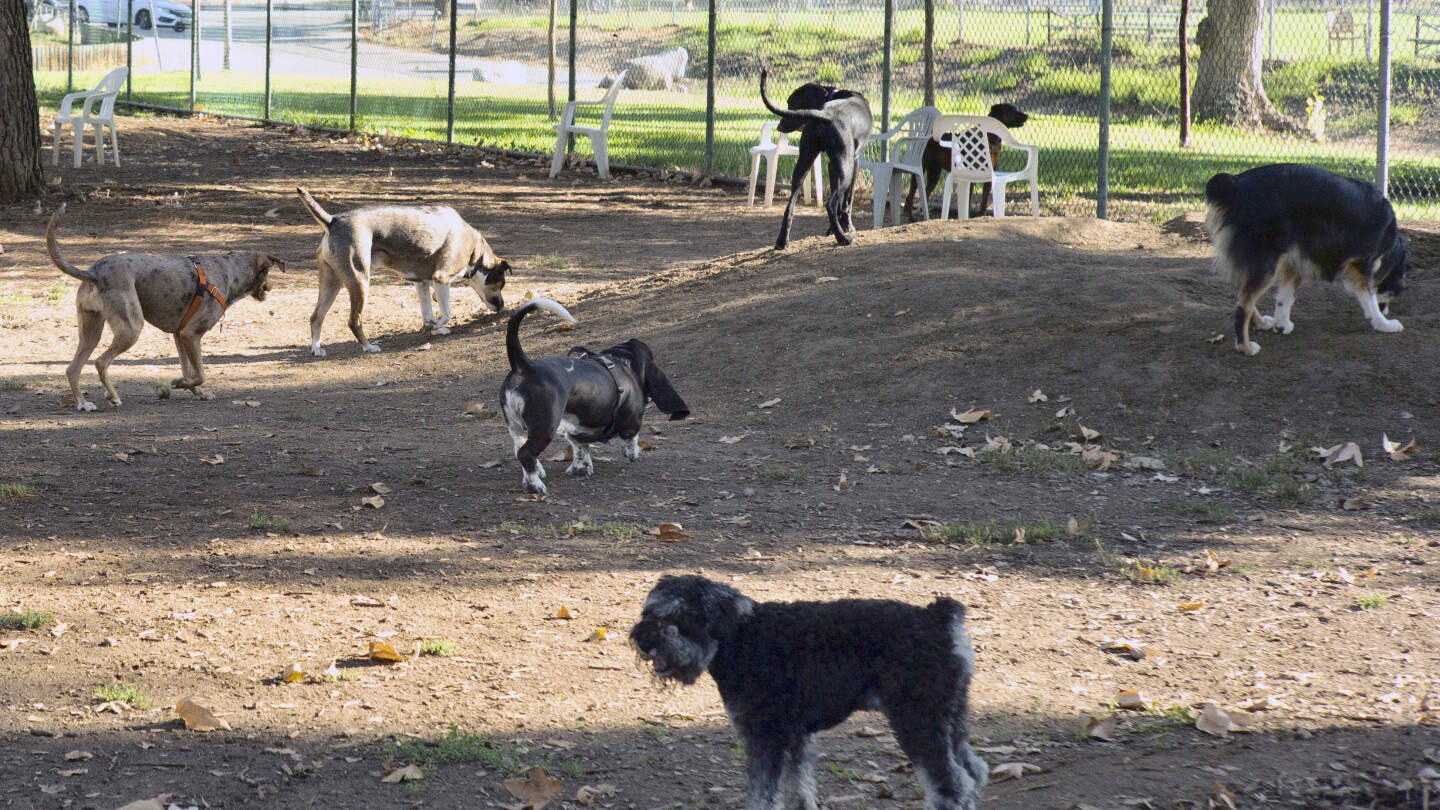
835,122
936,159
1293,222
789,670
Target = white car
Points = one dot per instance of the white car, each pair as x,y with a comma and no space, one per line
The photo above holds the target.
148,14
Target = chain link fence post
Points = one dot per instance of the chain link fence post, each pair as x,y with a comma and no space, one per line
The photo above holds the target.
129,49
354,59
1382,136
269,44
574,26
886,69
1107,41
194,52
450,101
70,51
713,17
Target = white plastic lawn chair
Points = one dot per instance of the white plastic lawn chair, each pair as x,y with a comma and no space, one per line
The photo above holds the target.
97,110
906,144
598,135
772,151
969,146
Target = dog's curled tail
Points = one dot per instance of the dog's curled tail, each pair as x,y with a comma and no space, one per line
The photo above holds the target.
520,361
320,214
54,248
1222,190
765,97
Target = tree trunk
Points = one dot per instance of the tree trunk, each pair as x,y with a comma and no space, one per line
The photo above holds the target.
929,53
229,34
20,174
1228,85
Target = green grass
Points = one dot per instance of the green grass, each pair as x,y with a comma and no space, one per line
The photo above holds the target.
527,529
14,385
1370,601
552,262
269,523
610,530
571,769
458,747
1426,514
993,531
125,693
56,292
1273,478
15,490
1204,511
1406,540
25,621
1152,575
437,648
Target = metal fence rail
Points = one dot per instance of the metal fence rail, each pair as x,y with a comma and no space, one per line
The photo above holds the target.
1105,107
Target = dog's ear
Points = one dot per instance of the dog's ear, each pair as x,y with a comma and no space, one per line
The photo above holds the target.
657,385
264,262
724,608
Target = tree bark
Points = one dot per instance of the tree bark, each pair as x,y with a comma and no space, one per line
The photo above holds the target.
1228,84
20,173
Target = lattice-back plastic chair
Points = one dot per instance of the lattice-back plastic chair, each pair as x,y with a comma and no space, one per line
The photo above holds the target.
772,147
968,139
906,156
599,136
97,110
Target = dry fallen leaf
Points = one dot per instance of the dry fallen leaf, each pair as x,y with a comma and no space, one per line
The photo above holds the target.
292,674
729,439
1012,770
78,756
535,789
590,794
1341,453
921,524
670,533
383,651
770,403
1131,699
1102,728
1354,504
380,489
1191,607
1221,798
374,501
1218,722
213,460
1039,396
1072,527
1019,535
1213,562
409,773
197,717
1131,649
972,416
843,484
1395,450
564,613
599,634
157,803
121,457
1088,434
59,630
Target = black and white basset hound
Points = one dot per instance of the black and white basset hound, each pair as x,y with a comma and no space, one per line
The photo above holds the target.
588,397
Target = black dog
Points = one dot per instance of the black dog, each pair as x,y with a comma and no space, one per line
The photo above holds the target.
937,159
1296,222
835,122
588,396
789,670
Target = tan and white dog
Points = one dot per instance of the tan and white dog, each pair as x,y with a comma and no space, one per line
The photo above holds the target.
431,246
185,296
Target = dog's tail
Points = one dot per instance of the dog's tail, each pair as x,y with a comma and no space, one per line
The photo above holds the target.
1222,190
765,97
519,361
54,248
320,214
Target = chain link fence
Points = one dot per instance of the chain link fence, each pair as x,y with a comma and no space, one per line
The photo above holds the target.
495,73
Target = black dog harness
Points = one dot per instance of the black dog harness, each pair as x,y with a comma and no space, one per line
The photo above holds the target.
609,364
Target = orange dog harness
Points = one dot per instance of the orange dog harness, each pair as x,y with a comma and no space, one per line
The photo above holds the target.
201,288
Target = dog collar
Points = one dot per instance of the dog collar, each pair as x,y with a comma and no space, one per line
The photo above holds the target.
202,287
830,94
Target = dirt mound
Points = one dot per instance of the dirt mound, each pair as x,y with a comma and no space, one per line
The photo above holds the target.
1120,317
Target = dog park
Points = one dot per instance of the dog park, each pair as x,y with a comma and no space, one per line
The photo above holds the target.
1190,578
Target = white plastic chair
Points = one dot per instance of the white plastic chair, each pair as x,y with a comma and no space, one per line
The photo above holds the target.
906,144
772,151
97,110
598,135
970,163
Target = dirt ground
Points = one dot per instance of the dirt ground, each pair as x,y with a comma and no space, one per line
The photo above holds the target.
1165,486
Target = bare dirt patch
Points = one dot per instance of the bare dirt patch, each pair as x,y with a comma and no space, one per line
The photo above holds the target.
180,577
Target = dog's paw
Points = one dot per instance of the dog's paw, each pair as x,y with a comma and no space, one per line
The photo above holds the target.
1249,350
1284,327
85,406
1389,326
317,351
534,486
202,395
1265,321
439,330
580,470
631,450
370,348
116,402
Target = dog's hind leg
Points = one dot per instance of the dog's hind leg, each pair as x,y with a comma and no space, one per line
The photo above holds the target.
329,288
949,784
1359,284
764,769
540,423
358,286
92,324
125,326
808,153
798,781
842,174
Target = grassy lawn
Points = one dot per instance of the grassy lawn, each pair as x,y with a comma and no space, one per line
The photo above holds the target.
1151,177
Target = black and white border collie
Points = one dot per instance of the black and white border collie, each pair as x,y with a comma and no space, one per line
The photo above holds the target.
1294,222
587,396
